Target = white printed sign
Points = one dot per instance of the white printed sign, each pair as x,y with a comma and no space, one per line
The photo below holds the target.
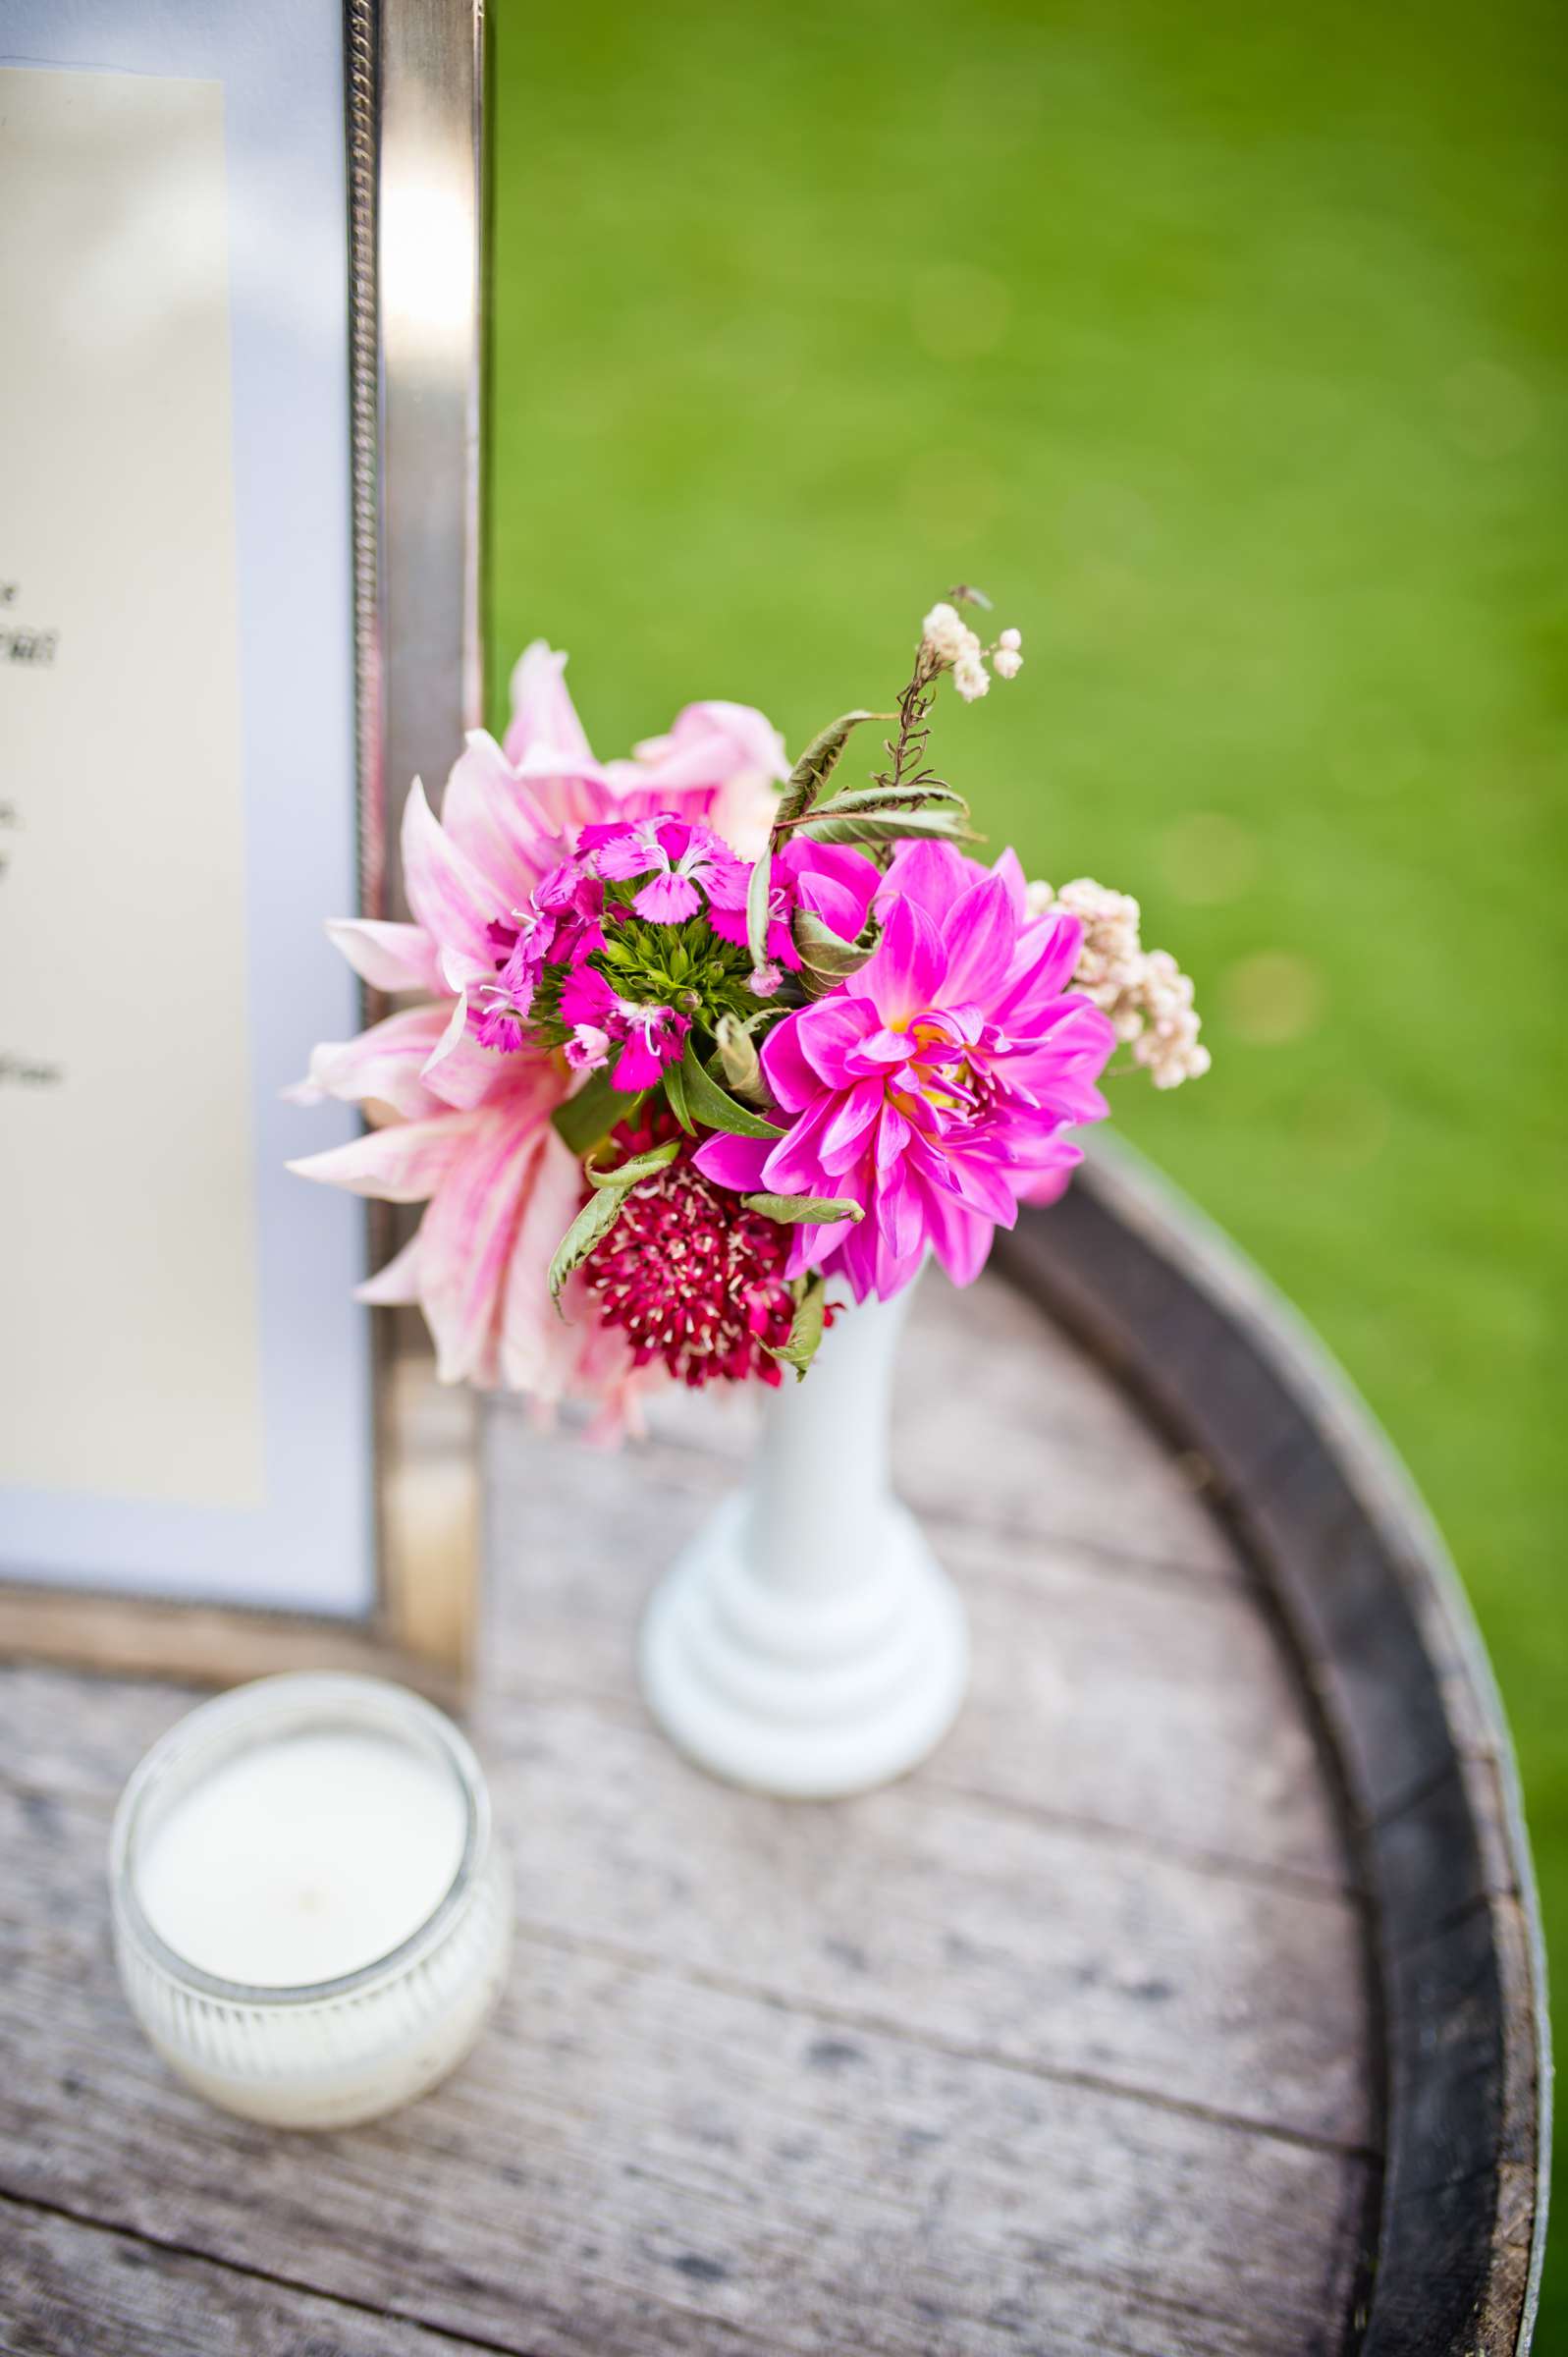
128,1288
185,1382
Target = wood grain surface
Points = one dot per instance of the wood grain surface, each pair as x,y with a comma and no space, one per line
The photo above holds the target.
1376,1621
1064,2044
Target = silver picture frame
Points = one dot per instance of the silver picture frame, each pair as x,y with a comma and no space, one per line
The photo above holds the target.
414,89
414,123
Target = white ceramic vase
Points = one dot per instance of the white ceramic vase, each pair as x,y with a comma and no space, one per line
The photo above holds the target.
807,1643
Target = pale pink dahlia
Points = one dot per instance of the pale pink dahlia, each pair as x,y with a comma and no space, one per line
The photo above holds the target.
461,1115
720,762
935,1088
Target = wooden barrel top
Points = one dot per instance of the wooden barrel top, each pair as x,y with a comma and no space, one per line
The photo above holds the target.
1188,2000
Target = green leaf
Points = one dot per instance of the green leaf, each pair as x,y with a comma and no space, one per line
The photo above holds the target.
816,763
826,958
891,797
797,1210
714,1106
806,1330
674,1088
591,1226
757,894
588,1118
641,1165
873,826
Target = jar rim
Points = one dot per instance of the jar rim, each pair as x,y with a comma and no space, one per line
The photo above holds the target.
292,1702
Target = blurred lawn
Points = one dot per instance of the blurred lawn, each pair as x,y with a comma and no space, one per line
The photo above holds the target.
1227,350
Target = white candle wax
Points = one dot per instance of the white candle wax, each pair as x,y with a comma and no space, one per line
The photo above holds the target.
310,1918
303,1860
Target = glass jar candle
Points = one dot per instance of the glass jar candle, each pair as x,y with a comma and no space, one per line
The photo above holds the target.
312,1919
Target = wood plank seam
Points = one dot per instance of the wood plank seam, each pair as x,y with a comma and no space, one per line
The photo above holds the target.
1119,1563
1253,1873
936,2042
254,2274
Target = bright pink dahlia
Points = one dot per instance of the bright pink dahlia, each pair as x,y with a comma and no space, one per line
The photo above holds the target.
933,1088
464,1125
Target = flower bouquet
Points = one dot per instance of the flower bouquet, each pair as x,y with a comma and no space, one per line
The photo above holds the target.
709,1047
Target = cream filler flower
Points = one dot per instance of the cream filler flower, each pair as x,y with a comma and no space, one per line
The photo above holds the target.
954,646
947,634
1145,993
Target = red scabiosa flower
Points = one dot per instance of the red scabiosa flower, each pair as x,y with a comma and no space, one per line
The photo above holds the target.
690,1277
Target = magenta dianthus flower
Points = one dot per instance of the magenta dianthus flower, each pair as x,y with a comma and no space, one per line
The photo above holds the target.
648,1037
561,921
684,864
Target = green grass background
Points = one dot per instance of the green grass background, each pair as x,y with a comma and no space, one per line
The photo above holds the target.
1227,348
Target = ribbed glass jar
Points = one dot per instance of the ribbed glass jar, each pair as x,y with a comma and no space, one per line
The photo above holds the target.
330,2053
